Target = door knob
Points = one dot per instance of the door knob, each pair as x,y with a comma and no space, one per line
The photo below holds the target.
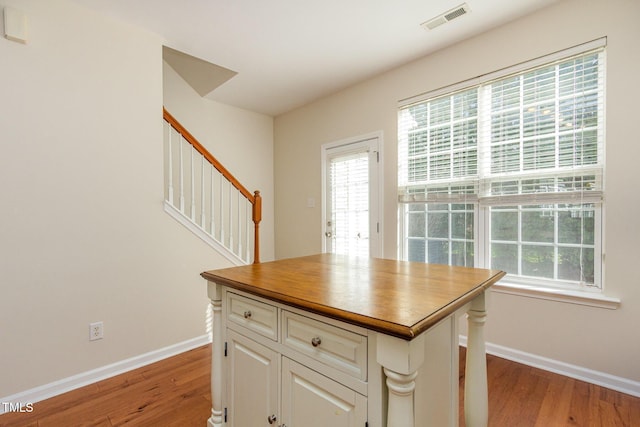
272,418
328,234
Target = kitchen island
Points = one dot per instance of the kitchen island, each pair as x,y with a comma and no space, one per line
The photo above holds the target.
343,341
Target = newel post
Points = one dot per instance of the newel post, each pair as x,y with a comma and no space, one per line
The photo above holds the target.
257,217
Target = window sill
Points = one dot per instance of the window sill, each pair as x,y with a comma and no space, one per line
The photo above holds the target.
590,299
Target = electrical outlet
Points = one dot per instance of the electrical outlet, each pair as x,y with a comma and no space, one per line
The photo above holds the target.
95,331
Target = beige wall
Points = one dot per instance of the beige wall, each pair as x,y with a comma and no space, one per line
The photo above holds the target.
240,139
83,235
597,339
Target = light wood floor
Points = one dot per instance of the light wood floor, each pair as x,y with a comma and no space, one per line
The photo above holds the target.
175,392
172,392
522,396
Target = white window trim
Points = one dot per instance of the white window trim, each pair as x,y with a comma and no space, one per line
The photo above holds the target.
589,298
592,298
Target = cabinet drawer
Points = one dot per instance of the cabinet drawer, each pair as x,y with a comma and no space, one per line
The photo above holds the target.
255,315
331,345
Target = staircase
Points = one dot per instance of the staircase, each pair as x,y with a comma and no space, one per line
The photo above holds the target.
206,198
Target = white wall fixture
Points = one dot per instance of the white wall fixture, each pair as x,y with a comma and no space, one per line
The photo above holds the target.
15,25
96,331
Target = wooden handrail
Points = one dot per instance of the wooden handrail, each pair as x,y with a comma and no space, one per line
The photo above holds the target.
255,199
200,149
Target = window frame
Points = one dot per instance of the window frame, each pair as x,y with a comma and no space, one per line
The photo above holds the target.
482,215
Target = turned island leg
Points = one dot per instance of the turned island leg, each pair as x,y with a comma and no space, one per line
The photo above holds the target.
476,403
217,353
400,360
401,402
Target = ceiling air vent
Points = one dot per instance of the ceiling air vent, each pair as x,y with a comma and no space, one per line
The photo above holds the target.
446,17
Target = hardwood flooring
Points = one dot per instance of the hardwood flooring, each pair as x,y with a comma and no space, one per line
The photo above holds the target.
175,392
172,392
522,396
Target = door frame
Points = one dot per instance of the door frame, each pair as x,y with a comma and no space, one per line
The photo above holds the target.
375,188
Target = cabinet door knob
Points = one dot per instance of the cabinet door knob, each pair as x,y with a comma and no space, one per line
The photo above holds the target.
316,341
247,314
272,419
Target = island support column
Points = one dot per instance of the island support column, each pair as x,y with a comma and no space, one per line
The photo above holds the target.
400,360
215,295
476,404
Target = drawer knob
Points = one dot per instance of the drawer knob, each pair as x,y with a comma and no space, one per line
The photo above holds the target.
247,314
316,341
272,419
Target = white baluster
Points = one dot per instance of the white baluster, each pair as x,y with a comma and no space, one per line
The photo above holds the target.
170,173
202,204
222,208
239,225
193,189
181,176
213,222
247,223
231,188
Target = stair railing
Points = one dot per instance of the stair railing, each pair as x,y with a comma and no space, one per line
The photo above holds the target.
210,197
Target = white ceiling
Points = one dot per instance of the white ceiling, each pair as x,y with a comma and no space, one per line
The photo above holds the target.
289,52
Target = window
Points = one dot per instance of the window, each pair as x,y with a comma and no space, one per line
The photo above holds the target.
507,173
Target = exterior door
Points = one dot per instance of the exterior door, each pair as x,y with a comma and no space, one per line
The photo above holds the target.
351,220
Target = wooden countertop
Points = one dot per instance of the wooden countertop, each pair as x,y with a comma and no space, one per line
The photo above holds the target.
398,298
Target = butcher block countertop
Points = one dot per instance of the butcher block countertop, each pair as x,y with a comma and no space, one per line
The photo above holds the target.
397,298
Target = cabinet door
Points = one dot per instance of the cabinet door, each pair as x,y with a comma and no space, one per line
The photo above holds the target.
252,382
310,399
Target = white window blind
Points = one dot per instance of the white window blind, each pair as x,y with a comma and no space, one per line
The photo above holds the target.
349,183
527,149
544,133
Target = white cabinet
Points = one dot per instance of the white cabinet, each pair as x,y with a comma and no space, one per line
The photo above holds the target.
313,400
267,382
252,382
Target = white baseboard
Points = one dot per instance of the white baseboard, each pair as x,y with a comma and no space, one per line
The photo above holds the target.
85,378
602,379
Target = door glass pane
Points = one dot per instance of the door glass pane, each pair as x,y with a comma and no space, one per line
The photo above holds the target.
349,181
